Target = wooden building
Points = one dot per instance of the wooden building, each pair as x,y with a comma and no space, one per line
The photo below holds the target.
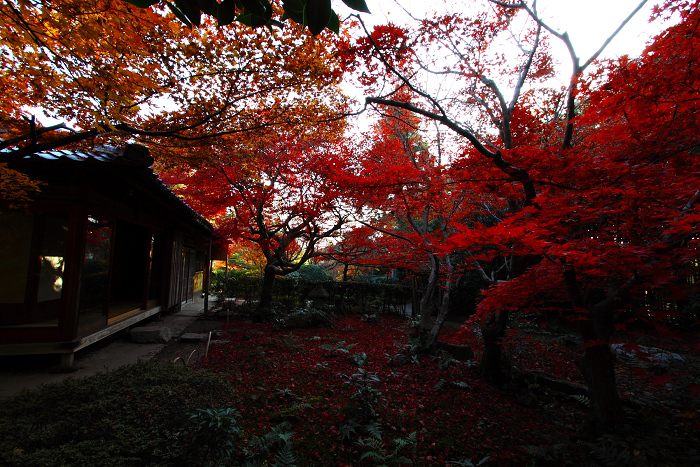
104,245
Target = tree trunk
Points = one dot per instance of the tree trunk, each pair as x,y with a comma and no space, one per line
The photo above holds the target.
492,365
414,298
445,304
605,411
265,305
425,309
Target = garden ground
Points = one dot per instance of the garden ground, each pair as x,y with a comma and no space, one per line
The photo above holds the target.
355,394
304,377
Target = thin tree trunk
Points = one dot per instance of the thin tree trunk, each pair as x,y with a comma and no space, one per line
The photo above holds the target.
414,298
425,312
605,412
445,304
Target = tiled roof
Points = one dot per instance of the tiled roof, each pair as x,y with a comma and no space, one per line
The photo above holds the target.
76,155
133,155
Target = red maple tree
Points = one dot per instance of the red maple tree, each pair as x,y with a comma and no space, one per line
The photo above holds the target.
281,195
600,178
406,204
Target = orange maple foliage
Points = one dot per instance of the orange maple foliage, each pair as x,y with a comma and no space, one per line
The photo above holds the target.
117,72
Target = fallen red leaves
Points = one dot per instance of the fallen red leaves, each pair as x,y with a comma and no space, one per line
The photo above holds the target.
297,377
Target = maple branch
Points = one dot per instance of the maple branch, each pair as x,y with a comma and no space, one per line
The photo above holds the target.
692,202
492,279
20,153
523,75
521,175
612,36
18,18
405,80
387,232
442,118
555,184
577,68
124,128
488,209
32,134
599,312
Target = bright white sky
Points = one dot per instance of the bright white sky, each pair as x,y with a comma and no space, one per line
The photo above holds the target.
588,22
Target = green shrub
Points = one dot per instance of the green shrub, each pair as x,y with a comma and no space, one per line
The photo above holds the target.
306,318
311,272
135,415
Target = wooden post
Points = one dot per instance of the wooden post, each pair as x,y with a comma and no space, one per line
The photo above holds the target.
207,279
67,360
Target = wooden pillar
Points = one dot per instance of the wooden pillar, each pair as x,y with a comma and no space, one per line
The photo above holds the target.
207,278
166,271
75,252
67,360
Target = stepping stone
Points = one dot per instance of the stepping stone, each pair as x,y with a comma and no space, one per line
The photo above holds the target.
219,341
150,335
194,337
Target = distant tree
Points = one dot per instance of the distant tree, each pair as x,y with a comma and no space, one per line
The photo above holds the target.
284,199
405,197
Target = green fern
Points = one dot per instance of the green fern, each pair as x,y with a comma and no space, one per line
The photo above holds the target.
300,407
373,443
615,455
402,443
582,399
251,463
374,429
348,429
285,457
377,457
445,359
376,447
341,346
469,463
279,435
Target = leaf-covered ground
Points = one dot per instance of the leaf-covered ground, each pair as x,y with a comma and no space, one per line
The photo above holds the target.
432,410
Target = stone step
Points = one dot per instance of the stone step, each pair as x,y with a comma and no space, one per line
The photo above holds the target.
150,334
200,336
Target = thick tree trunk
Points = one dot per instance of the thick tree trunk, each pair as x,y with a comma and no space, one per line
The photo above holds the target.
265,305
492,365
605,411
